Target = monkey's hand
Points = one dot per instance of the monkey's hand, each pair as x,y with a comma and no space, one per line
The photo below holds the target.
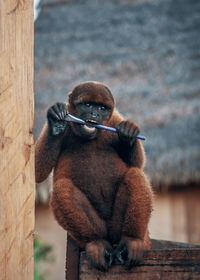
127,132
56,119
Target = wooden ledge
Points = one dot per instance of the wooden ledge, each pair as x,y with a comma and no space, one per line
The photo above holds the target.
177,261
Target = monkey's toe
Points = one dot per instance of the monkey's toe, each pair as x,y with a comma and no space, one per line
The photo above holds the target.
100,254
108,256
121,252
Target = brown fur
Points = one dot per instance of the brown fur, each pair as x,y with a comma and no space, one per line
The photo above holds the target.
100,190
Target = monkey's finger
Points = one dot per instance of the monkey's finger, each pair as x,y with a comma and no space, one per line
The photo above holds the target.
121,252
134,258
131,131
108,256
65,111
134,135
62,110
122,129
52,114
129,136
58,110
136,131
127,129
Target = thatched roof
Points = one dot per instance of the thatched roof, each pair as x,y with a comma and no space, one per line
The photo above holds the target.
148,53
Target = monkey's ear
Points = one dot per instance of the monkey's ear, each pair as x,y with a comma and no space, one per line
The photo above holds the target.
74,98
70,97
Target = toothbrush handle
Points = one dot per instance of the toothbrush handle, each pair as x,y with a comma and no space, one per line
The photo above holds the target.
112,129
71,118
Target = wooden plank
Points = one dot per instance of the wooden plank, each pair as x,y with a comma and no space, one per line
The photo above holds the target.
160,222
176,215
178,222
157,264
179,261
165,244
72,260
192,214
16,140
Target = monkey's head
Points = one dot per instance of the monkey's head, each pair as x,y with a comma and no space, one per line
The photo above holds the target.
92,102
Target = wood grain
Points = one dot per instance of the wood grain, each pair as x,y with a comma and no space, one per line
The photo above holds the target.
166,260
72,254
16,140
164,264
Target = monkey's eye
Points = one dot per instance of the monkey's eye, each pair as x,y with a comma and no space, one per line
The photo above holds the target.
87,104
102,108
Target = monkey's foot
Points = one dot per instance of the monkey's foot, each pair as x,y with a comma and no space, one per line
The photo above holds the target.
130,251
100,254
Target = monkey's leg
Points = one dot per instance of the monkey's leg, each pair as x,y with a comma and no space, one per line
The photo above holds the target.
75,213
131,217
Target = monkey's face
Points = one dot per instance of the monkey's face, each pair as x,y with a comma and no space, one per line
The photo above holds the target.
94,113
91,112
92,102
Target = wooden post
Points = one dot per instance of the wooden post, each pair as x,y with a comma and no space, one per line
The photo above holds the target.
73,255
16,140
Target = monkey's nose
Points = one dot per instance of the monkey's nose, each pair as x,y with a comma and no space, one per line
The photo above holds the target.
94,115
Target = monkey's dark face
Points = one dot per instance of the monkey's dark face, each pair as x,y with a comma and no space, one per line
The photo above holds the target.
91,112
93,102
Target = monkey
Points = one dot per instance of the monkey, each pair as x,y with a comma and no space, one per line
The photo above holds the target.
101,195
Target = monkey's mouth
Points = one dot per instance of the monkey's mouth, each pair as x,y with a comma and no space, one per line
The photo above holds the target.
90,128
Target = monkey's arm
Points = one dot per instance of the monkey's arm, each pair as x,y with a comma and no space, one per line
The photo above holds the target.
49,143
128,146
47,150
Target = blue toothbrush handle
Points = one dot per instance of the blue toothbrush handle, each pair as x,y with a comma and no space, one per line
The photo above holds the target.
112,129
71,118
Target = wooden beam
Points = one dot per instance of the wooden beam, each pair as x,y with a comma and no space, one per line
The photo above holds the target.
179,261
73,255
166,264
16,140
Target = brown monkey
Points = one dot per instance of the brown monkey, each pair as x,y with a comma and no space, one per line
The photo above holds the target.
101,195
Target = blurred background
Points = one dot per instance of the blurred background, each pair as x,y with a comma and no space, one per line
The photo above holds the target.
148,53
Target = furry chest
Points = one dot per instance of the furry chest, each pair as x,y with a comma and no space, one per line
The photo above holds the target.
95,179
